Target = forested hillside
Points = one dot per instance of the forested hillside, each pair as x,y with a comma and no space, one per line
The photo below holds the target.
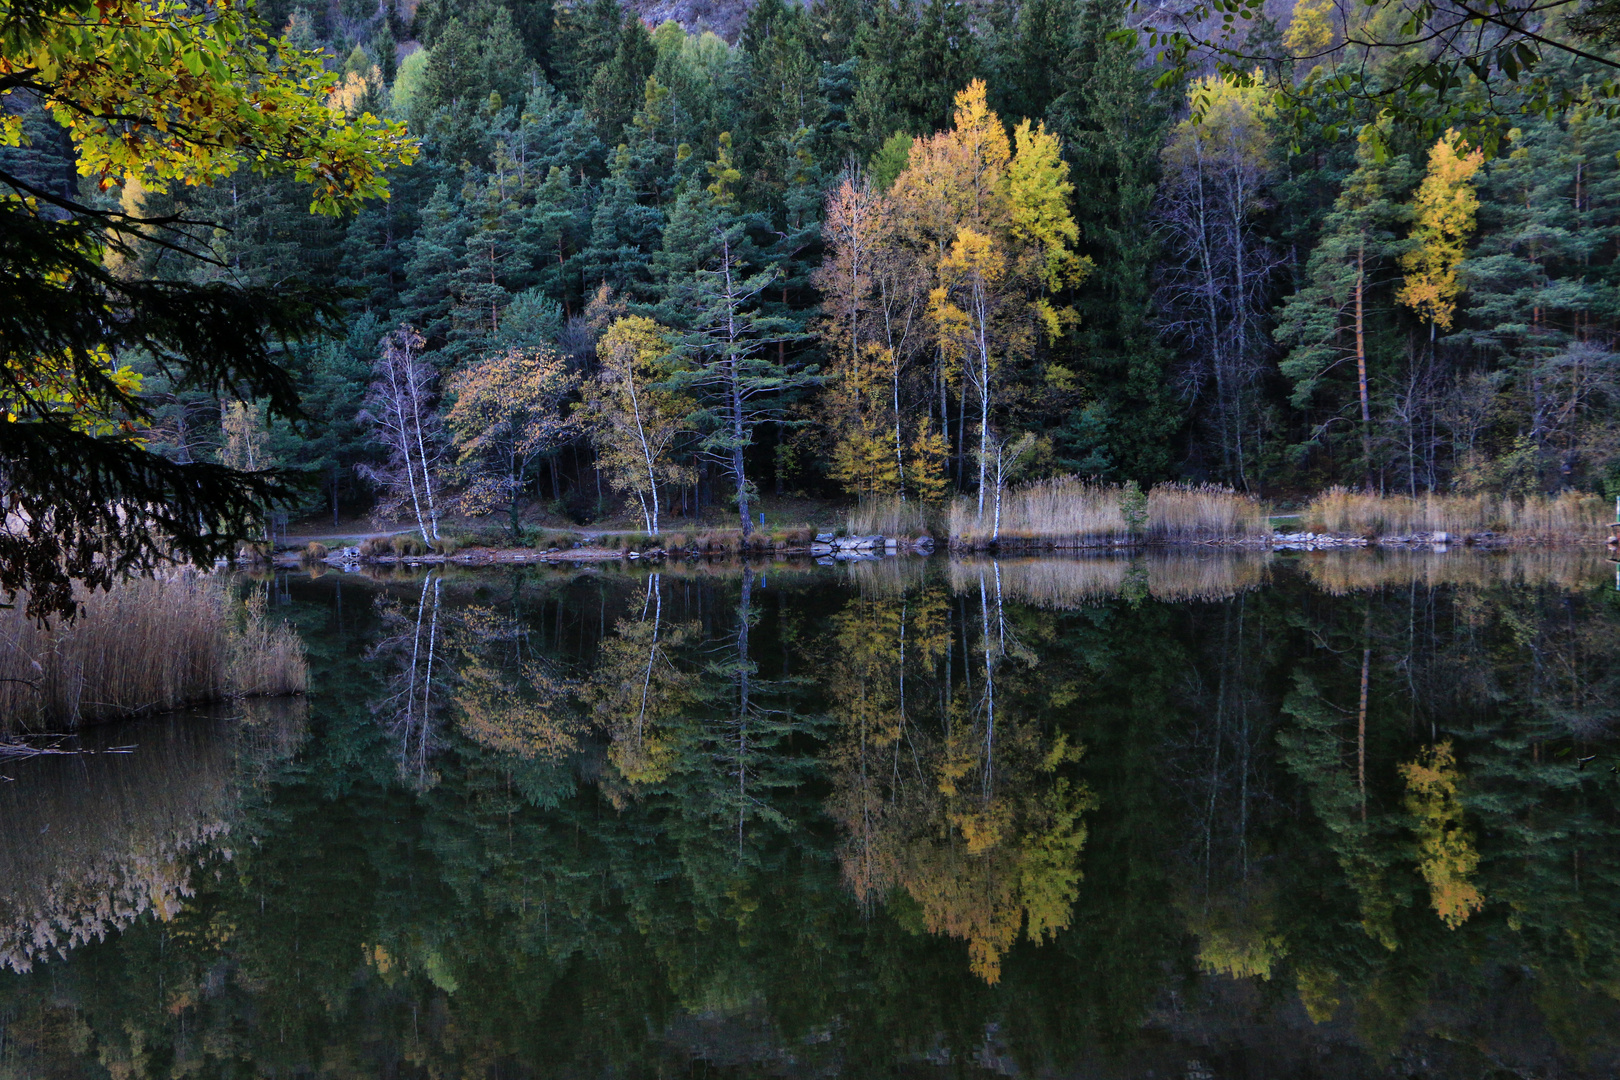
873,247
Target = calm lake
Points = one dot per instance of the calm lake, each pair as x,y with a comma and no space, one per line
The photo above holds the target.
1197,815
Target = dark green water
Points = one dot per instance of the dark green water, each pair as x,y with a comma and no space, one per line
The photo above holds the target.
1324,816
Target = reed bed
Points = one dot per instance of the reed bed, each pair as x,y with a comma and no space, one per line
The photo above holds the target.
145,646
1069,512
1188,513
1341,573
1068,584
886,577
1567,516
888,517
1055,584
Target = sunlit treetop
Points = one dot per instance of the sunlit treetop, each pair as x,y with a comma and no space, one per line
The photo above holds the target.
163,92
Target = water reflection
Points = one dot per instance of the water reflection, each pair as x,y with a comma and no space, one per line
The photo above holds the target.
1088,817
110,827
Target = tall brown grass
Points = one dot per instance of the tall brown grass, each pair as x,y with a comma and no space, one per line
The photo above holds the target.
1069,512
1567,516
145,646
888,517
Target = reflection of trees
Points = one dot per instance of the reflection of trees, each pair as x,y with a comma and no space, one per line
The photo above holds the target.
950,795
737,751
509,699
417,685
637,689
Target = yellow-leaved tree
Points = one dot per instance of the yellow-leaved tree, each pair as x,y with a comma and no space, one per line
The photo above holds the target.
1443,219
633,419
508,414
988,221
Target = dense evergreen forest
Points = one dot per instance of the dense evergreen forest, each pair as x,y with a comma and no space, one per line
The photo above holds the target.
868,246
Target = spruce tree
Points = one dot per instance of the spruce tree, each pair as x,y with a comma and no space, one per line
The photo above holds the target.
585,37
617,87
623,233
712,280
436,254
1113,124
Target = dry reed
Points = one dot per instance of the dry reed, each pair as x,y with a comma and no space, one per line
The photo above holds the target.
887,517
1068,512
144,646
1567,516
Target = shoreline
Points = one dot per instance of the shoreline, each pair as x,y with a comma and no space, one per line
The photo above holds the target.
865,548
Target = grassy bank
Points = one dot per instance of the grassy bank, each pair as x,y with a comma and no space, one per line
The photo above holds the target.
146,646
1568,516
1069,512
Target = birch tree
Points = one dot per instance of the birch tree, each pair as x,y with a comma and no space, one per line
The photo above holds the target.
1217,273
399,409
989,219
634,421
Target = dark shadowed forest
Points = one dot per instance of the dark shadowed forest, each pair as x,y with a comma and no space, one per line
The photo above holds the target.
878,248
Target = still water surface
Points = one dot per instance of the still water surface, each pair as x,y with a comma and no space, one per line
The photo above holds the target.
1332,815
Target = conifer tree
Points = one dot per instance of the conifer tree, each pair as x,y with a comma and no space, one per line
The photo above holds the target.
585,37
711,281
1443,219
436,254
1113,123
1325,323
617,88
623,233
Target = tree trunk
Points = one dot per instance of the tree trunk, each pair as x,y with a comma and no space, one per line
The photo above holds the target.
1361,365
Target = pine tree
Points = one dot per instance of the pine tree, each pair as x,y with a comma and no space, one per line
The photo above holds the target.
711,283
1326,322
1113,125
585,37
436,254
623,234
618,87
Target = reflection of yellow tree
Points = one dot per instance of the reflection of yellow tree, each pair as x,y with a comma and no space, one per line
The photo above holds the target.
635,687
503,704
969,817
1446,855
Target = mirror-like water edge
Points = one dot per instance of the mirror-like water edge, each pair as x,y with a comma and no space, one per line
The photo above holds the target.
1333,814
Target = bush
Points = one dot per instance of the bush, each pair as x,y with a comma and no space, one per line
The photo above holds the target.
315,551
407,546
446,545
